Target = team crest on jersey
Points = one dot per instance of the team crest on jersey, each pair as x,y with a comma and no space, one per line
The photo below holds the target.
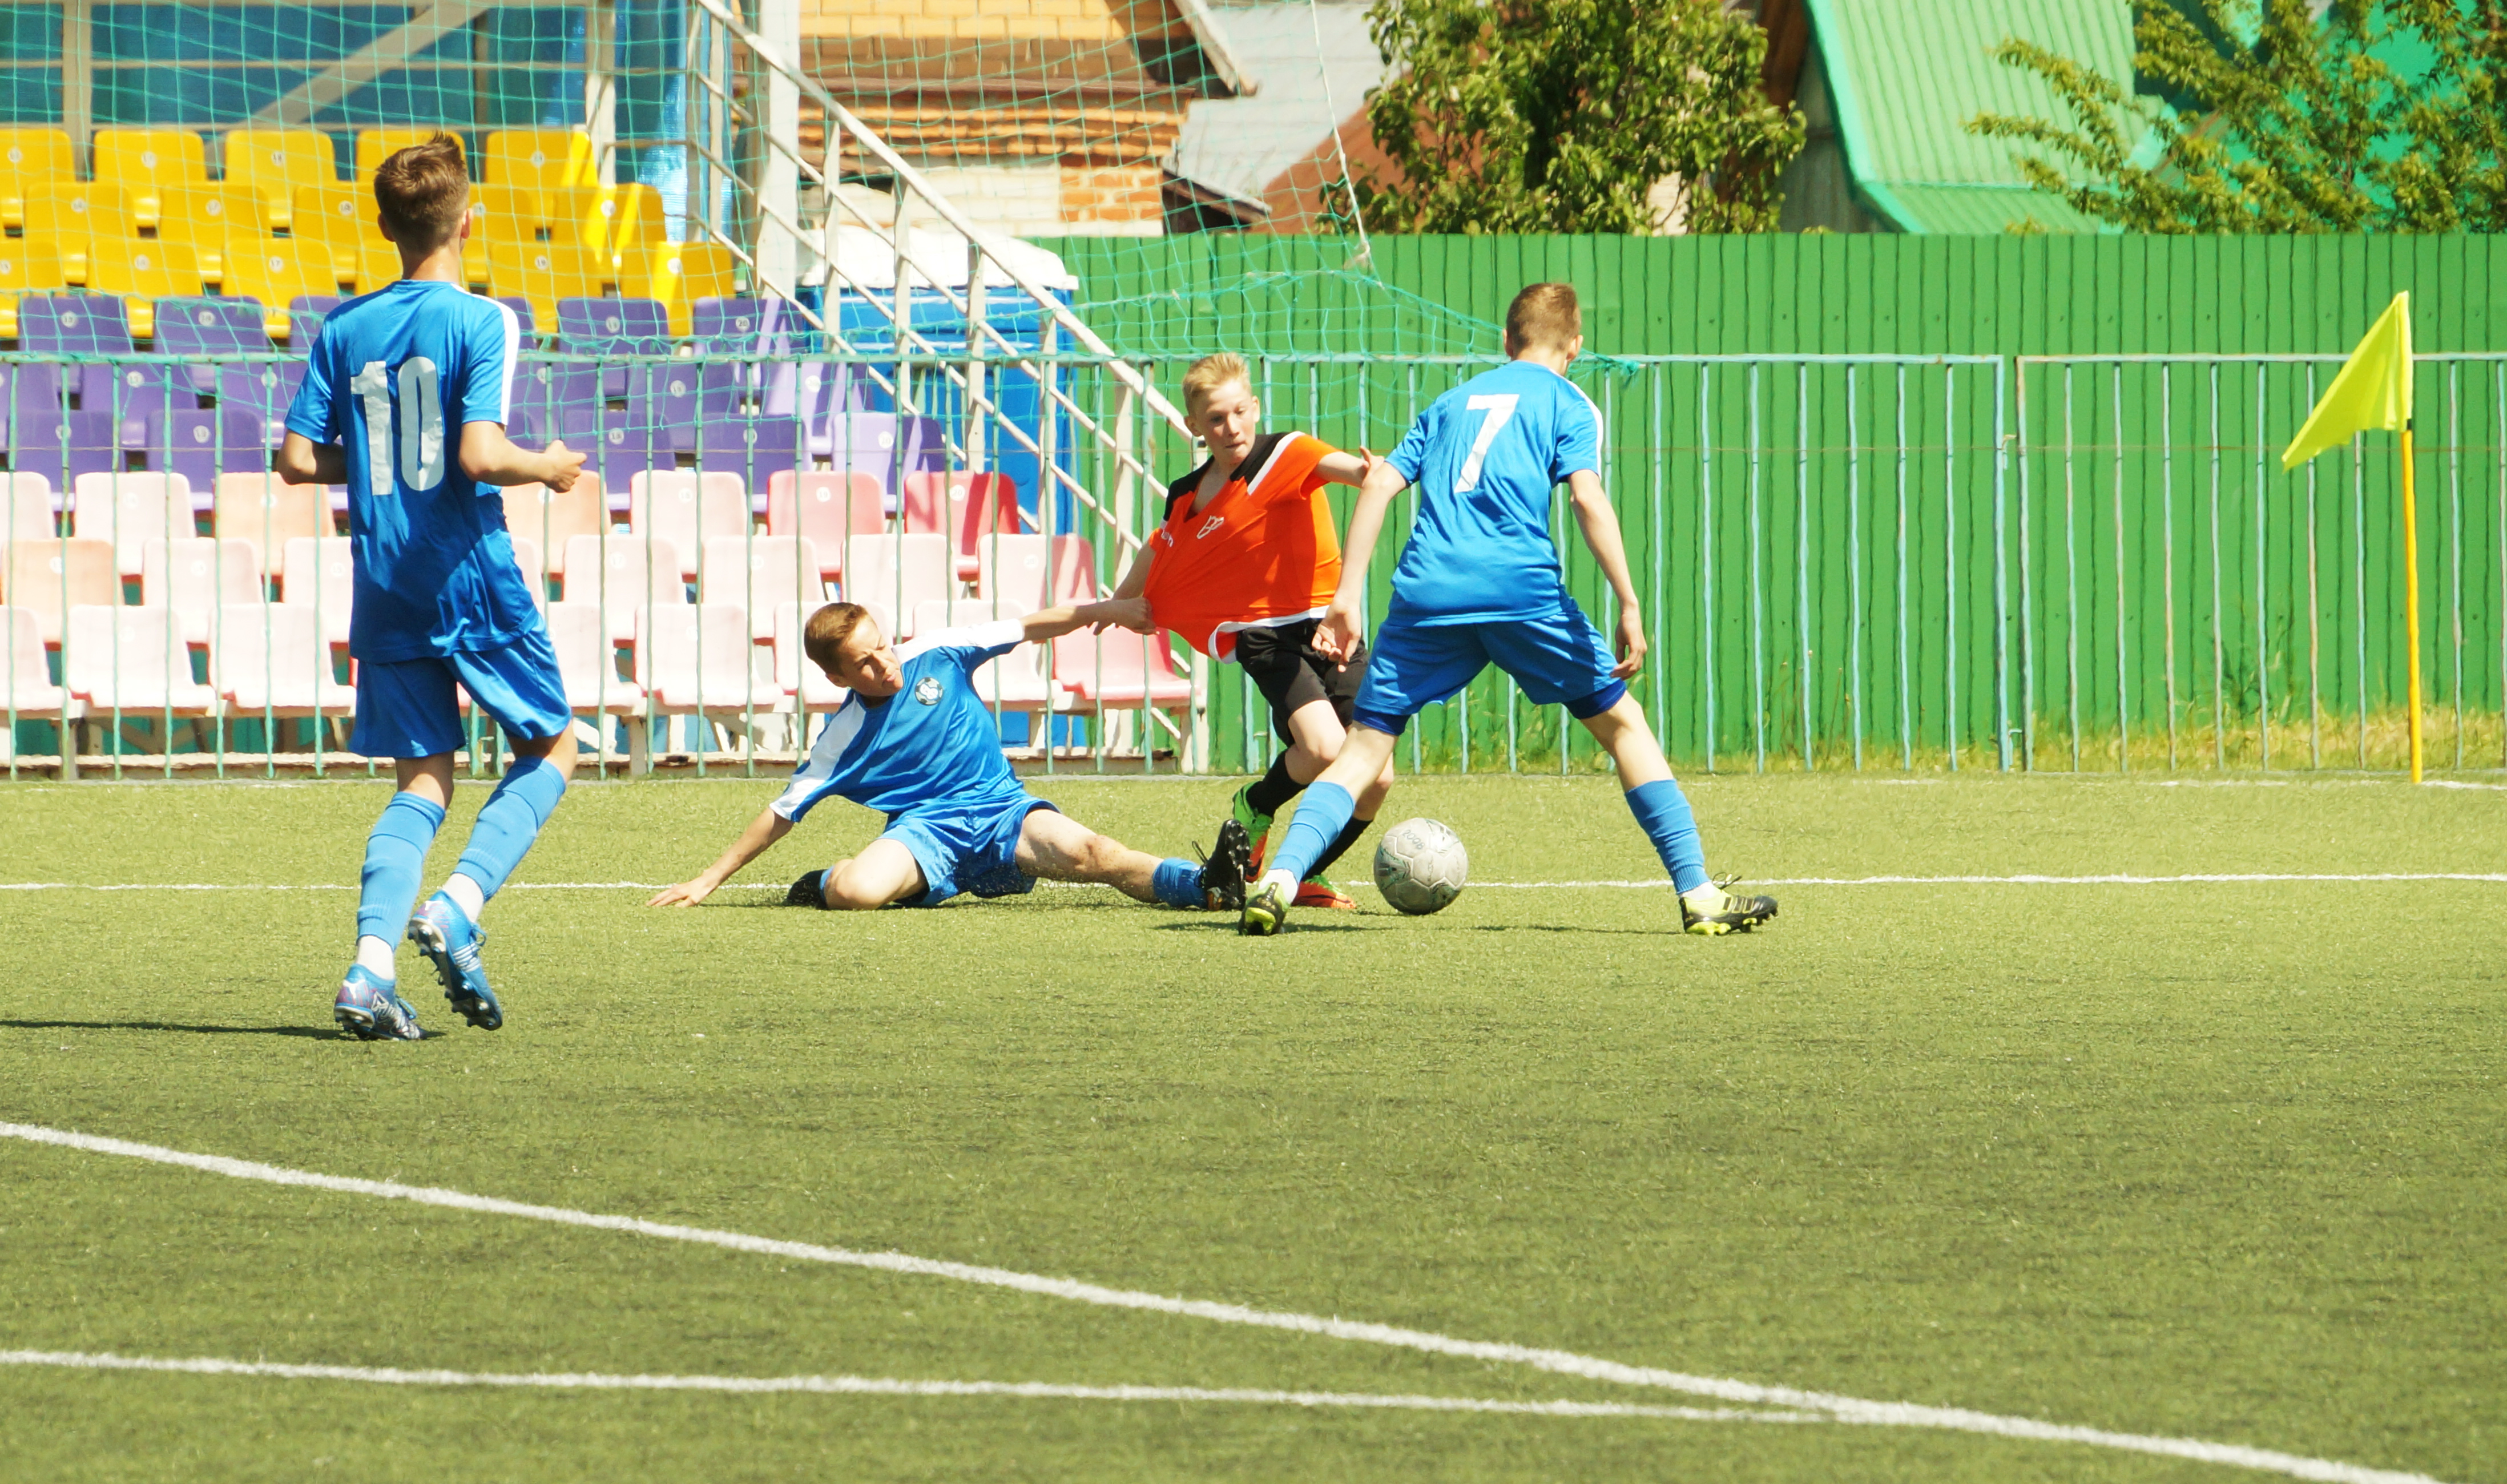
1212,525
927,690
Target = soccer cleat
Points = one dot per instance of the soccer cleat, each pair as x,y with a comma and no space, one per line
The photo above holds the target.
1225,870
372,1010
1255,824
451,941
808,891
1710,911
1315,891
1266,906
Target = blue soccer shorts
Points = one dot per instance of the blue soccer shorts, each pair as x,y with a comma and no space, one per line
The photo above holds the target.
970,851
1557,657
406,707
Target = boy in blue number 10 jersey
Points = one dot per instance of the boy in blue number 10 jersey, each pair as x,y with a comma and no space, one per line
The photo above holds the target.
1480,584
404,401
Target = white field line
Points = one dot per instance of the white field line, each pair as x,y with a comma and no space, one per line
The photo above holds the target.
2022,879
1843,1409
877,1386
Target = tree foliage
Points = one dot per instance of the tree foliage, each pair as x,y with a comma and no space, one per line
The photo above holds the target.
1561,114
2306,127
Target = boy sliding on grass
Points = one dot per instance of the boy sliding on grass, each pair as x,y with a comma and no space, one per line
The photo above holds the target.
915,741
404,401
1241,567
1479,584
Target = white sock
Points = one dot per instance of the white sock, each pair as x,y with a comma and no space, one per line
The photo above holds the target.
1287,881
375,956
466,895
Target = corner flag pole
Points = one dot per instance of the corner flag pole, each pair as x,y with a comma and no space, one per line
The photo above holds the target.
2412,593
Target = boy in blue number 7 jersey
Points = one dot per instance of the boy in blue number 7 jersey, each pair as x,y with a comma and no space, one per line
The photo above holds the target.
1480,584
404,401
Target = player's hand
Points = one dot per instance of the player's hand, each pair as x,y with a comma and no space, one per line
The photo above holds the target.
1337,636
686,893
1633,644
1366,462
569,465
1131,613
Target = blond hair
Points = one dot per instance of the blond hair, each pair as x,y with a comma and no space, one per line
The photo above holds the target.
823,637
1210,373
1545,316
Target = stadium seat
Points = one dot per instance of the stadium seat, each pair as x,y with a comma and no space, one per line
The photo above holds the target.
980,505
1014,682
275,162
341,216
26,509
608,220
676,274
261,509
755,449
269,660
612,327
544,272
795,672
554,520
1074,571
621,574
1119,669
902,572
319,573
818,392
204,446
129,510
881,445
276,270
539,158
369,268
825,509
206,219
193,574
587,663
143,272
54,577
132,393
144,160
761,572
509,215
263,390
132,660
28,156
1013,570
742,325
26,687
67,447
73,325
376,145
697,659
66,215
209,327
25,267
305,315
687,510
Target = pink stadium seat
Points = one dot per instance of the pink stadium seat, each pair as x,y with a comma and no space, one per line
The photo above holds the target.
1119,670
194,575
794,673
319,573
132,660
901,572
760,573
588,662
527,555
54,577
687,509
623,575
697,659
29,516
1074,571
923,504
269,660
261,509
129,510
26,685
825,508
1014,682
552,520
980,505
1013,569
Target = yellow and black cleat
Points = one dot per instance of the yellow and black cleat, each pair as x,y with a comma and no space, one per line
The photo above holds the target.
1266,906
1710,911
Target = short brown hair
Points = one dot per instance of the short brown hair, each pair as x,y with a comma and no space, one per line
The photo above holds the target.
1545,316
1213,372
421,193
823,637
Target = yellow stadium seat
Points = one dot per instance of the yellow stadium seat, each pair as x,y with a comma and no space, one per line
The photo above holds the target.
276,162
677,274
278,270
204,217
376,264
29,155
507,214
376,145
342,217
607,219
67,213
540,158
26,266
545,272
142,161
148,270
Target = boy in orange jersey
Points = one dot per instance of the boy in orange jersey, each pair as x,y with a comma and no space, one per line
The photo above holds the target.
1243,567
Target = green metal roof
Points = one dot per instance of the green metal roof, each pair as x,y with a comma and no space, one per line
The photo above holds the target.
1907,75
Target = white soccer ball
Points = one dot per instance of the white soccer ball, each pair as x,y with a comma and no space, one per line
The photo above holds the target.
1421,866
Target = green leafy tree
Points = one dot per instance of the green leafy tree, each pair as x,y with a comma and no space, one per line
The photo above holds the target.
2306,127
1562,115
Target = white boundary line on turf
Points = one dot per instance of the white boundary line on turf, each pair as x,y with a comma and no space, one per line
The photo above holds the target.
2022,879
879,1385
1838,1408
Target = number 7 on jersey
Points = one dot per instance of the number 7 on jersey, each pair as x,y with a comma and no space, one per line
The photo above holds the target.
1500,407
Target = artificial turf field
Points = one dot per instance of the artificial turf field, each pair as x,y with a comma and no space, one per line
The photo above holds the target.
2218,1161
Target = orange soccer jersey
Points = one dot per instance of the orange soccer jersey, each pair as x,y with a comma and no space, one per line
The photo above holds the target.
1262,552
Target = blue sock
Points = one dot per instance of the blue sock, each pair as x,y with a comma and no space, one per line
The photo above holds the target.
1322,814
1662,810
1178,883
510,822
395,855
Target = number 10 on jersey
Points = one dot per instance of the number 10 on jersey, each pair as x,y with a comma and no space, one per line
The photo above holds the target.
422,425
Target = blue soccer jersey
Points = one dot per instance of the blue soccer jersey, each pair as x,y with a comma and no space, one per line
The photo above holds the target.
1484,458
931,747
393,376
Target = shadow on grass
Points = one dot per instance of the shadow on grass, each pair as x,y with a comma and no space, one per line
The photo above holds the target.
317,1032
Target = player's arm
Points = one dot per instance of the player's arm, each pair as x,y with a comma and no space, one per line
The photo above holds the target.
1601,526
763,831
1054,623
1137,581
1342,468
1342,624
303,461
490,458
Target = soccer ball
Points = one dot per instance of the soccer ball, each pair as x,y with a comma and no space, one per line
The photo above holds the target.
1421,866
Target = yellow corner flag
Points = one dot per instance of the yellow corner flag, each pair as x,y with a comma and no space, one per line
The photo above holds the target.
2373,391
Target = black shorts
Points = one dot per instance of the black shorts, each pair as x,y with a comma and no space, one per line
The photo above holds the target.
1291,675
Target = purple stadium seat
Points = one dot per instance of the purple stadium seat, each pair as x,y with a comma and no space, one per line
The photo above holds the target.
757,326
869,443
209,327
30,393
305,315
200,446
69,445
262,390
522,309
141,396
613,328
73,324
756,448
